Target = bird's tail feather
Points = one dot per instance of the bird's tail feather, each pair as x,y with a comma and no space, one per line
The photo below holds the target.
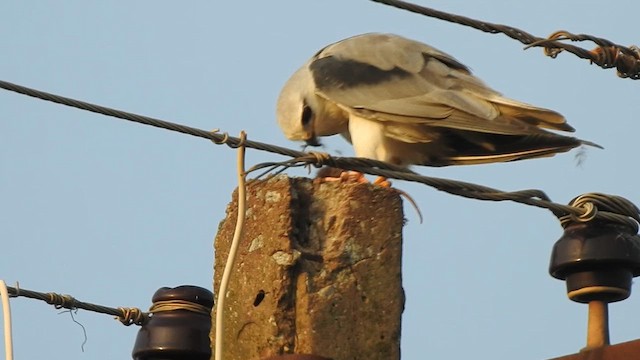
533,115
465,150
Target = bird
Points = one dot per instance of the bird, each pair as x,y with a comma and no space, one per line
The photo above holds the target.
406,103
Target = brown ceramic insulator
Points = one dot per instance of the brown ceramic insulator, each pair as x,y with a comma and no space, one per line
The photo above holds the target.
597,260
177,334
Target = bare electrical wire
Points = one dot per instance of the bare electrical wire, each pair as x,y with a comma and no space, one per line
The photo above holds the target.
601,206
211,135
607,55
172,305
584,208
84,330
373,167
127,316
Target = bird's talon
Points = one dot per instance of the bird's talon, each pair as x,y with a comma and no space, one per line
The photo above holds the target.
353,177
382,182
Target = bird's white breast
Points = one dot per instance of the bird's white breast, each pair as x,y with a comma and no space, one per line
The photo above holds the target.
369,140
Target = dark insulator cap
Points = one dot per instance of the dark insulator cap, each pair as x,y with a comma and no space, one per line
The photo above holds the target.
194,294
180,333
598,260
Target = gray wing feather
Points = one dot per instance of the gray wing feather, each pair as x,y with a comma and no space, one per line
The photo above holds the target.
416,86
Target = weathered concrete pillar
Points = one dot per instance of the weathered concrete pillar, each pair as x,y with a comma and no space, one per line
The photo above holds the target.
318,271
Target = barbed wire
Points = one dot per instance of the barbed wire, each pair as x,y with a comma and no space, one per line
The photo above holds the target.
607,55
373,167
126,315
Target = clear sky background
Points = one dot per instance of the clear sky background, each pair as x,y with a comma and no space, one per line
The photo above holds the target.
109,211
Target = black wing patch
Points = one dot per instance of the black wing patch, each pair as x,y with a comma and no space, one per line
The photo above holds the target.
331,73
449,61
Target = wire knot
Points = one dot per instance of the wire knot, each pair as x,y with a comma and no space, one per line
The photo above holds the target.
602,207
16,292
590,210
627,64
225,137
607,55
131,316
60,301
320,159
241,141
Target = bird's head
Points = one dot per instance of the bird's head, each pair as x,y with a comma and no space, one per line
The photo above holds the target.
297,108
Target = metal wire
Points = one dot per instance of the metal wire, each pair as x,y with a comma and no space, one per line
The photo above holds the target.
211,135
602,206
373,167
127,316
625,59
584,208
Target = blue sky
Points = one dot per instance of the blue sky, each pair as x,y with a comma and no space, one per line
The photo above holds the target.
109,211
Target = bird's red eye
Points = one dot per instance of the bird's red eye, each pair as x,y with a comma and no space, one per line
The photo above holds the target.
307,115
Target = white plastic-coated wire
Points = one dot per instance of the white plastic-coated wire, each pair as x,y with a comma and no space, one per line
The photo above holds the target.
233,250
6,315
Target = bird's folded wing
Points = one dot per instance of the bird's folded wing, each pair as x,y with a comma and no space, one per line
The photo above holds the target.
416,84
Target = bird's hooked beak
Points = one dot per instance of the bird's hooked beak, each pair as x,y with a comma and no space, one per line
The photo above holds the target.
313,141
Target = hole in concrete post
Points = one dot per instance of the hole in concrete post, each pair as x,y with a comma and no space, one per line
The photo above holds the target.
259,298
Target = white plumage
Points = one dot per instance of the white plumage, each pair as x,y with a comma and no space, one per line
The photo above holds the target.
404,102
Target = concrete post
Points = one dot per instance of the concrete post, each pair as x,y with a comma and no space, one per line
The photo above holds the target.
319,271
